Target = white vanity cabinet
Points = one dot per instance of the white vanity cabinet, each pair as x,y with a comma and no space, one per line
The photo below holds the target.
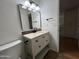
36,42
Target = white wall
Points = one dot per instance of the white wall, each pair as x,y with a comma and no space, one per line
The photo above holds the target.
50,9
10,28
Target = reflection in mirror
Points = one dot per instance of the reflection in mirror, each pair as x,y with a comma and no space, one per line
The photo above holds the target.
24,18
36,19
29,19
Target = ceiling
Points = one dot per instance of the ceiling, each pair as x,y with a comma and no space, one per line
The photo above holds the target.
67,4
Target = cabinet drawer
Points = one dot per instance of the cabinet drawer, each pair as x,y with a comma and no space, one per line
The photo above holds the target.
37,40
39,43
37,49
46,39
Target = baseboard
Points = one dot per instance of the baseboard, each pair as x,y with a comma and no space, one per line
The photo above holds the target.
54,50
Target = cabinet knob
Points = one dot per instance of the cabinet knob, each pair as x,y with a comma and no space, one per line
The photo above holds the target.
26,42
36,40
46,40
43,37
40,46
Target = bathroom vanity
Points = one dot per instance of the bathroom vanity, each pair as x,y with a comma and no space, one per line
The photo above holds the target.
36,42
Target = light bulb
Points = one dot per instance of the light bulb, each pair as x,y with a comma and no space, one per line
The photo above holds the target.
30,9
27,3
37,8
33,6
24,7
34,10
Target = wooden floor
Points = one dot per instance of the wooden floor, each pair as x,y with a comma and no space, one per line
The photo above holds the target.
50,55
69,46
68,50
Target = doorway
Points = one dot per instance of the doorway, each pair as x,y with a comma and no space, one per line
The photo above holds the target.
69,28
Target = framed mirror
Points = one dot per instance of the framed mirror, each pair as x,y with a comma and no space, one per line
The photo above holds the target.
29,19
36,19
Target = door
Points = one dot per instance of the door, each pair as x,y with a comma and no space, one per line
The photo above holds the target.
70,18
77,25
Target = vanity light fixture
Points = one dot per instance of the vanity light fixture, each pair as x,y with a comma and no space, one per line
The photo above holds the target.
30,9
34,10
33,6
37,8
27,3
24,7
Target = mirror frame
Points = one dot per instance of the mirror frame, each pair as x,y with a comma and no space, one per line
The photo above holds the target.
31,26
